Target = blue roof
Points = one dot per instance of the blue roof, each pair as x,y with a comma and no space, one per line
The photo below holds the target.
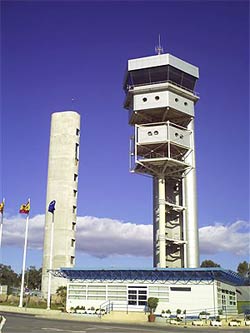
173,275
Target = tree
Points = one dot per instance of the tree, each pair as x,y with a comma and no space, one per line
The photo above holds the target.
152,305
33,277
8,276
209,263
244,269
62,293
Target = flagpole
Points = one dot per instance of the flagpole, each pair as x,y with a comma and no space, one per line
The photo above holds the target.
1,229
50,261
1,225
24,259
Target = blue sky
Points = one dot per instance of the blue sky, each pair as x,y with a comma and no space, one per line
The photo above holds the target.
55,51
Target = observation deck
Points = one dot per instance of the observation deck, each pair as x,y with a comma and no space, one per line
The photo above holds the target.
163,83
160,149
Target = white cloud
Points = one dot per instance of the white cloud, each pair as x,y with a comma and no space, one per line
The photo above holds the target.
103,237
14,231
233,238
99,237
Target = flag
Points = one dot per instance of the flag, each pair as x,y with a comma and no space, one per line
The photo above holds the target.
1,207
25,209
52,208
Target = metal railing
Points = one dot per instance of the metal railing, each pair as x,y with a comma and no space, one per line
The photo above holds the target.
131,86
107,306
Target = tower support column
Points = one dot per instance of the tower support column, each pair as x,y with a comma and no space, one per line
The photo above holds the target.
162,222
190,198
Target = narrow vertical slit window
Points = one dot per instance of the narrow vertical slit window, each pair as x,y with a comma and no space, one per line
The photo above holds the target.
77,151
74,209
72,260
75,193
74,226
75,177
73,242
77,132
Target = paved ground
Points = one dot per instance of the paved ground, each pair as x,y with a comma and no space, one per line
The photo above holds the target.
23,323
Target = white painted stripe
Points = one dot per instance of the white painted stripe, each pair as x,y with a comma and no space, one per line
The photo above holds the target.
60,330
123,328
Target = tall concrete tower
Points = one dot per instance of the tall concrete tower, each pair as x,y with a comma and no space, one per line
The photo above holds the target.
160,98
62,186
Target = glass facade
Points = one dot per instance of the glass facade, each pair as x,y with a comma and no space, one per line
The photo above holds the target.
158,75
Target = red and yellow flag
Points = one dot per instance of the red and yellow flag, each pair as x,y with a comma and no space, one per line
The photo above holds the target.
25,209
1,207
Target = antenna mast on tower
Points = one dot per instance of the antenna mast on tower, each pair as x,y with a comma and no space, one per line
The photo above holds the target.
159,48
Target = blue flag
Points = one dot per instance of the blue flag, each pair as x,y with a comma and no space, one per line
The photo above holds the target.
52,206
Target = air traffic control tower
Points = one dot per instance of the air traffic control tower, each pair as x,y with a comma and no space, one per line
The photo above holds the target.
160,98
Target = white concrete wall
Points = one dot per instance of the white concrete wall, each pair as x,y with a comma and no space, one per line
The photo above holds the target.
62,187
199,298
152,134
163,133
162,60
163,99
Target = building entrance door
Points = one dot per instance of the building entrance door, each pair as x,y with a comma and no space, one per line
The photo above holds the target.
137,296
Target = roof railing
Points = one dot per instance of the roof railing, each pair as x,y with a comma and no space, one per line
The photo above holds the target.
131,86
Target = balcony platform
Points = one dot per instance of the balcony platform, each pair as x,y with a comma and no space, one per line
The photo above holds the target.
161,166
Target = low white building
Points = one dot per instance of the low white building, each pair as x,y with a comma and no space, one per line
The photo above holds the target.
3,289
194,290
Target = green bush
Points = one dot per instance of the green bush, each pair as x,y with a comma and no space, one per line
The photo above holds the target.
152,303
204,313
